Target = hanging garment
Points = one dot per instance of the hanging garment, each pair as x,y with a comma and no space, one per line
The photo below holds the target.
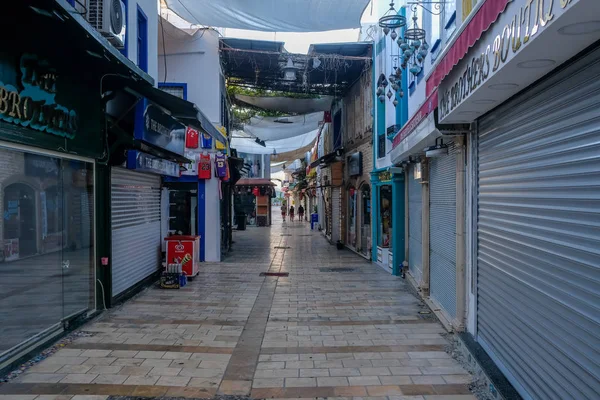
191,138
206,141
204,167
220,165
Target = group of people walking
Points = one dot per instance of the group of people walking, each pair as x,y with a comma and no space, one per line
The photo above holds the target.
292,212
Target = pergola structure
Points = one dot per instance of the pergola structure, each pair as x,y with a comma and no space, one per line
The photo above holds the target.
327,69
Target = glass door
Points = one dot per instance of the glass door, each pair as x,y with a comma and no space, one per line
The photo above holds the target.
77,237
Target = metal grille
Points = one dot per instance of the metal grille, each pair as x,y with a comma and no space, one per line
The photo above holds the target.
415,245
135,220
538,248
336,212
442,230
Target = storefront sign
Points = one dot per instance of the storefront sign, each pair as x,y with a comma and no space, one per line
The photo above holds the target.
157,128
35,106
515,28
385,176
427,108
146,163
355,164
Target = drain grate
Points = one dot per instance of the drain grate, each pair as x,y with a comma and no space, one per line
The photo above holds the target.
342,269
274,274
282,247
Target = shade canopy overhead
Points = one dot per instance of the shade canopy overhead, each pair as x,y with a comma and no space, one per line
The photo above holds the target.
328,69
272,15
287,105
277,128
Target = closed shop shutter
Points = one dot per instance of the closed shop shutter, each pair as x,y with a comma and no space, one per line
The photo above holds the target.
538,247
442,230
336,213
415,245
135,220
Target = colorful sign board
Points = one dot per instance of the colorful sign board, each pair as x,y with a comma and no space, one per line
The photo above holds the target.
146,163
155,127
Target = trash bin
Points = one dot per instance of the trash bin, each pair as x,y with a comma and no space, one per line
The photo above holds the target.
241,221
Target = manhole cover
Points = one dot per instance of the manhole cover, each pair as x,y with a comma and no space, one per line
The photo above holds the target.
282,247
274,274
342,269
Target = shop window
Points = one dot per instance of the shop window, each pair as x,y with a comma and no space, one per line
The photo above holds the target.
174,88
381,139
384,238
46,243
142,40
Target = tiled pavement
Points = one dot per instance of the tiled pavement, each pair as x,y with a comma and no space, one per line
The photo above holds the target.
313,334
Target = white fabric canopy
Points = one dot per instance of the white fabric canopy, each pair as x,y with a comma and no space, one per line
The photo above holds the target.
288,105
266,128
272,15
280,146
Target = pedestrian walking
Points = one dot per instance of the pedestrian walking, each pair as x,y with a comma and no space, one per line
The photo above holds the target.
292,213
301,213
283,212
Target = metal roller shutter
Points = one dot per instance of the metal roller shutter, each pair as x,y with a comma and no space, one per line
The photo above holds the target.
135,220
442,230
336,213
538,248
415,245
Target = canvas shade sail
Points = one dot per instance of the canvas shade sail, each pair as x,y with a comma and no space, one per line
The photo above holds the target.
277,128
288,104
272,15
248,145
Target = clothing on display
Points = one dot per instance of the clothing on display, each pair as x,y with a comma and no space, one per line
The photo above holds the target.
220,165
191,138
204,167
206,141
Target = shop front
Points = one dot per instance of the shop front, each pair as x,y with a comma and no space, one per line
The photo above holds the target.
533,237
50,139
388,214
252,201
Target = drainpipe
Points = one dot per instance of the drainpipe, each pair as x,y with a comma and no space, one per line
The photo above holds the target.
425,227
406,221
461,284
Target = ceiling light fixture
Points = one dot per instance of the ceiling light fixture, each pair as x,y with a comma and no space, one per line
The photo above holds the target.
440,149
580,28
289,71
540,63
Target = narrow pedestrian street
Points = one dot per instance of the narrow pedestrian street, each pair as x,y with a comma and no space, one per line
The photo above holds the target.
336,326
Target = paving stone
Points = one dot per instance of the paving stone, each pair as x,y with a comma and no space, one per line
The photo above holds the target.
332,381
300,382
173,381
110,379
364,380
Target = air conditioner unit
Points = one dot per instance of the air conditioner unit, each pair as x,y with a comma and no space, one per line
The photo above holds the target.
108,18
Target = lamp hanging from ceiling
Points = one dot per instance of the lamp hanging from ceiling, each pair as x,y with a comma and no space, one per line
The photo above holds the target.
289,71
411,44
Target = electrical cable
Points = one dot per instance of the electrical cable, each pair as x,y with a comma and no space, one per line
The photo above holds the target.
162,28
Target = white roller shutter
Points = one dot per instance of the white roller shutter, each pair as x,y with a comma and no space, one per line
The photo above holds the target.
415,245
336,213
135,220
442,230
538,245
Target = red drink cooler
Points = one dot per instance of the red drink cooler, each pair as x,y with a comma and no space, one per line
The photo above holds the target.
184,250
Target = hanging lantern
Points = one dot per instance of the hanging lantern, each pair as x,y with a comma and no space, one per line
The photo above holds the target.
389,94
415,69
395,102
395,86
386,30
407,54
398,73
381,97
379,90
393,35
401,93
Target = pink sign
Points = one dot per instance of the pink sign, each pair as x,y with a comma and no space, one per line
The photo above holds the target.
427,108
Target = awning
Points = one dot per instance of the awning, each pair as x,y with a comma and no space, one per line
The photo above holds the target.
481,21
328,158
289,105
184,111
272,16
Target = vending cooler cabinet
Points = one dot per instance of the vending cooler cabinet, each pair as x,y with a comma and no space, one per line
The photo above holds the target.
185,250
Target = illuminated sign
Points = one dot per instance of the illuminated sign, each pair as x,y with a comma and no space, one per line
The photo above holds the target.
35,105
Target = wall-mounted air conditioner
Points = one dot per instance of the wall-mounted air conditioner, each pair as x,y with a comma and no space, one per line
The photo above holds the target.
108,18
